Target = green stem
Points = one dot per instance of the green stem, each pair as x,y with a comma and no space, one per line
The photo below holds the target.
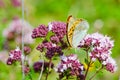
96,73
87,69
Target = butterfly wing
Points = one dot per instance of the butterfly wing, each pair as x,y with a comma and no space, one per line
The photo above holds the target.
79,32
76,30
70,29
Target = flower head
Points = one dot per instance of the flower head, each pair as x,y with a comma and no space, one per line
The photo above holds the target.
110,64
40,31
14,55
100,46
27,50
70,62
54,39
59,28
14,31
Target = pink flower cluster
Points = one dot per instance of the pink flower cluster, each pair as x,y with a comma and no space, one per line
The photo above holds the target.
54,44
14,31
110,65
50,49
59,28
70,62
15,55
100,48
40,31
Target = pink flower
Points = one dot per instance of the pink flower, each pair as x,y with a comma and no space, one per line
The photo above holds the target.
59,28
54,39
14,30
40,31
110,65
99,45
69,62
14,55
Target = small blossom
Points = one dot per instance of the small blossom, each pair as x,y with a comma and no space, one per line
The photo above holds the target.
9,61
40,47
27,50
26,69
40,31
54,39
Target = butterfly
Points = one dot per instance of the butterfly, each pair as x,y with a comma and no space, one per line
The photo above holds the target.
76,30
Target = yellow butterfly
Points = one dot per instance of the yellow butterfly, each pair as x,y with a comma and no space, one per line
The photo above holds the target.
76,30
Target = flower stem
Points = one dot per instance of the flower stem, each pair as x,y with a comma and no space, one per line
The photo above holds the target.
48,69
41,68
87,69
96,73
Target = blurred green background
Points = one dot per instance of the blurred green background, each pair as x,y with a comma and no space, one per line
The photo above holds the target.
103,17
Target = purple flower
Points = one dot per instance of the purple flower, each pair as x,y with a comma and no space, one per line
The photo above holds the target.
26,69
9,61
53,51
70,62
99,45
38,65
40,31
14,31
54,39
110,64
59,28
14,55
40,47
27,50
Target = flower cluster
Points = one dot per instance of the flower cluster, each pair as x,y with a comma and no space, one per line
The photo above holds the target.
50,46
14,31
96,46
59,28
40,31
110,65
15,55
70,62
100,47
37,66
51,49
